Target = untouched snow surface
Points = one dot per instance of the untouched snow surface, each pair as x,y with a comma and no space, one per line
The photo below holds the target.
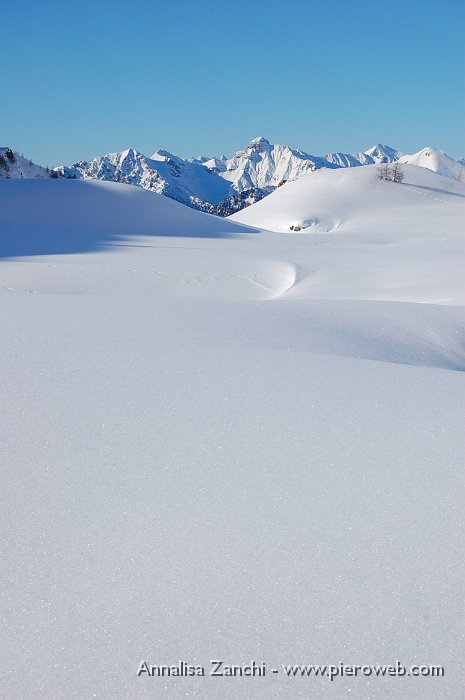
224,444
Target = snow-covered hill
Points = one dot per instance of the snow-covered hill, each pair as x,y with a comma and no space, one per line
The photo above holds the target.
15,166
68,215
436,160
322,201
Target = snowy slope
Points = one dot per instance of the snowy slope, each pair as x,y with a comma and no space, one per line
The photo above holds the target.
436,160
17,167
164,173
218,443
322,201
67,215
385,215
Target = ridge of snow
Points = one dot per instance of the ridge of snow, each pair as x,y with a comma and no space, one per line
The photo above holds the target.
260,166
376,154
436,160
164,173
207,183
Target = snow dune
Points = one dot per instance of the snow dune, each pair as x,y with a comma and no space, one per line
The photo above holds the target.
228,443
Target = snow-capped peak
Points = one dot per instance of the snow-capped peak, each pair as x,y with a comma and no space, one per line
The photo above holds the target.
258,141
434,159
161,154
198,159
130,153
382,153
379,153
216,184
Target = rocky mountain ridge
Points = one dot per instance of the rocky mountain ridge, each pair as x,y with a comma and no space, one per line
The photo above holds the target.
223,186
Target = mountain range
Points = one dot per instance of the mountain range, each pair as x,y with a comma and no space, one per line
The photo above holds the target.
221,185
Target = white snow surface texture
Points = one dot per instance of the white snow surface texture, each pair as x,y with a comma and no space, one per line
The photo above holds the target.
221,442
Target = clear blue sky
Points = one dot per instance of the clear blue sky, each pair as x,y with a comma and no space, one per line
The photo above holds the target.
205,76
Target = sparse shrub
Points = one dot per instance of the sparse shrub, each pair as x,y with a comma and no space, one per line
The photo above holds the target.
391,172
10,155
383,172
398,174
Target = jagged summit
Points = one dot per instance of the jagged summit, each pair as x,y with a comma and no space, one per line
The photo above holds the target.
198,159
161,154
259,145
380,151
131,153
259,141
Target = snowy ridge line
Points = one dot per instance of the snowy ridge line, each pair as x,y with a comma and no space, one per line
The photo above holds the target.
223,186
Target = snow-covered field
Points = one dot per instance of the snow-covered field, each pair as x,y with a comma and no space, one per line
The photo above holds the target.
220,442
